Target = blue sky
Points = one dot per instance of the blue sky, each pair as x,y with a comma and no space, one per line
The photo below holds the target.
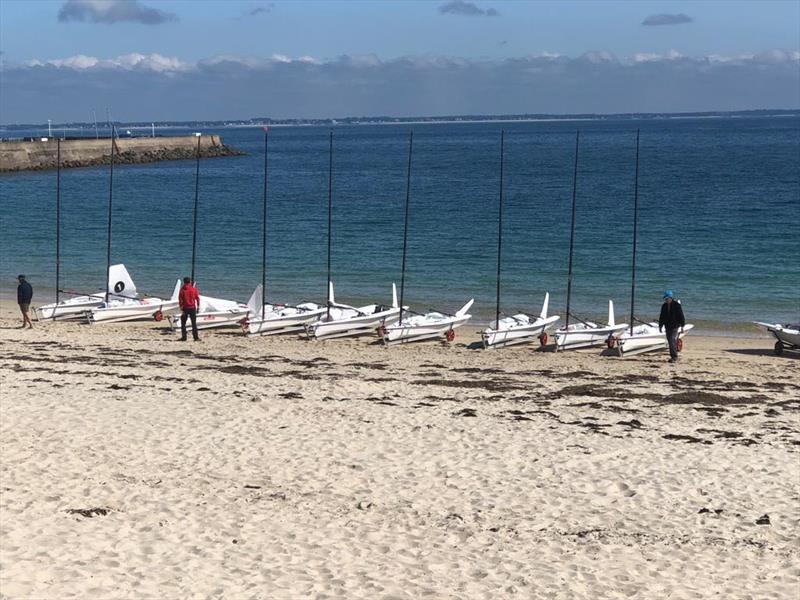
31,30
111,46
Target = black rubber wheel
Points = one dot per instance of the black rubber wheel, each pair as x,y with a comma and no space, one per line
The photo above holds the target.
778,348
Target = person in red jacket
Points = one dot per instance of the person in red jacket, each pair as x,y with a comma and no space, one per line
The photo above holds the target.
189,302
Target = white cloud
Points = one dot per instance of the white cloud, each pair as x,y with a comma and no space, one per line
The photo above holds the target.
81,62
229,86
654,57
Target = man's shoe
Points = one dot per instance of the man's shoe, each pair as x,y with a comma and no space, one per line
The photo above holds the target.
183,339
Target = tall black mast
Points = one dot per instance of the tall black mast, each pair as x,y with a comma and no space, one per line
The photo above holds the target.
405,224
572,226
196,197
330,219
58,222
110,206
264,225
499,228
635,223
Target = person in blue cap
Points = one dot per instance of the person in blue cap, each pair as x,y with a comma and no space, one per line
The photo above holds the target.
671,319
24,297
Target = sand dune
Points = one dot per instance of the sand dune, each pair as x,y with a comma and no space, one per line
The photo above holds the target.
134,466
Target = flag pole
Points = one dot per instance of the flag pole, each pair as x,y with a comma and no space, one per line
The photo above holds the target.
405,225
572,227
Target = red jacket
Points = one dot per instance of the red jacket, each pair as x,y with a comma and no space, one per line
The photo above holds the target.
188,296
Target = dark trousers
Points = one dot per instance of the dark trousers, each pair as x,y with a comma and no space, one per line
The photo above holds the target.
672,340
189,313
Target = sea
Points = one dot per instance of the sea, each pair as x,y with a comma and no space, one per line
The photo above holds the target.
718,218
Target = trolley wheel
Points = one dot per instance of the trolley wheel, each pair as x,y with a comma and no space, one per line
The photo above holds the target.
612,342
381,331
778,348
679,345
244,324
450,335
158,316
543,339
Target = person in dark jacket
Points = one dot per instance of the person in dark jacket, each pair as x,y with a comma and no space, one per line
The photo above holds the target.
189,302
24,297
671,319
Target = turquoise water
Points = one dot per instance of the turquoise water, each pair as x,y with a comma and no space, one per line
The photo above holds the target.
719,217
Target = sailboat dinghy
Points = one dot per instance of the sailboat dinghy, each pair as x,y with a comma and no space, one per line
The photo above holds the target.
343,320
587,334
787,337
118,308
119,284
426,326
265,318
520,328
646,338
215,312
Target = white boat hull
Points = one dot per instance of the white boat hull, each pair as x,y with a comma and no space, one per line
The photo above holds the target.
425,327
141,310
586,336
343,320
287,319
646,338
787,336
348,327
516,332
73,308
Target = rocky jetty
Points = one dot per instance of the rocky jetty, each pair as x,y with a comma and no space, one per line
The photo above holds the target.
41,154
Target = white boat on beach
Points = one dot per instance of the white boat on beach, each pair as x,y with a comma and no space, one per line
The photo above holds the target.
587,334
426,326
787,336
272,319
71,308
118,309
645,338
520,328
119,285
343,320
215,312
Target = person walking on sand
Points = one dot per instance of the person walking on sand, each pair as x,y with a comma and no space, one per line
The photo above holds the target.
672,319
24,297
189,301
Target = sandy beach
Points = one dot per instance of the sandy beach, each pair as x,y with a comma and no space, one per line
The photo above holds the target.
136,466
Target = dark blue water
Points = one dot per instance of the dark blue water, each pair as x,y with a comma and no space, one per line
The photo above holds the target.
719,214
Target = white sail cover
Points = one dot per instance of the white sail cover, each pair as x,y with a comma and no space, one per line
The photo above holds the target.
120,282
256,303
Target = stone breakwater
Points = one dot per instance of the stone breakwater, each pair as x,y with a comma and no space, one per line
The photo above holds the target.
42,154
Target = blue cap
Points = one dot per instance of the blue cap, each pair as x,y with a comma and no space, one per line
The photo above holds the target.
668,294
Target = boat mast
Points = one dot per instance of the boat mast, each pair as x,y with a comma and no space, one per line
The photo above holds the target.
572,226
58,222
405,225
196,196
264,225
635,222
499,229
330,219
110,206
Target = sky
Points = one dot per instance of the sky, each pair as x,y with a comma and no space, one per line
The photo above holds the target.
166,59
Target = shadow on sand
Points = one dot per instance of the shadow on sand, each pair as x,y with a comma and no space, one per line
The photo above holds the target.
795,354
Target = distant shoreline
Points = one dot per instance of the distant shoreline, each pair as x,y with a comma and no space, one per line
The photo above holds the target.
415,120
